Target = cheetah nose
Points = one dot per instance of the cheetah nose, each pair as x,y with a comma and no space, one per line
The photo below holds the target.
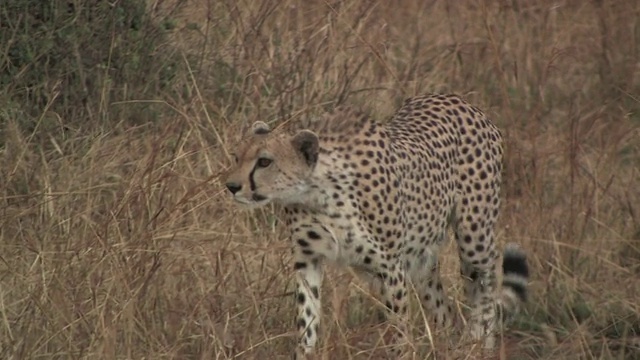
233,187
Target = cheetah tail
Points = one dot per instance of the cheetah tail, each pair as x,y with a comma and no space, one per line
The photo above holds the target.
514,282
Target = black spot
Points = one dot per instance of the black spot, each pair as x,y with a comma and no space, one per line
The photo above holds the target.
303,242
299,265
315,292
474,275
313,235
301,298
469,159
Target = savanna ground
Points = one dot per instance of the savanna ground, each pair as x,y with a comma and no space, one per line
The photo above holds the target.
118,241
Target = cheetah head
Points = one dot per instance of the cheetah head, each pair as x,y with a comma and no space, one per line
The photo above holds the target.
272,166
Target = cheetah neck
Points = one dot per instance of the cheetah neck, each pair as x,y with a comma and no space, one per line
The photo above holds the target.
328,177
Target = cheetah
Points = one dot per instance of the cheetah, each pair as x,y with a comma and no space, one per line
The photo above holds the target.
380,198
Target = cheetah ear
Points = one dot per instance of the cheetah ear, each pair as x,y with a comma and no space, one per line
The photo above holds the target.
260,128
307,144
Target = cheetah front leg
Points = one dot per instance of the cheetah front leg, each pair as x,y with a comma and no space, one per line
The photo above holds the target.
309,276
312,244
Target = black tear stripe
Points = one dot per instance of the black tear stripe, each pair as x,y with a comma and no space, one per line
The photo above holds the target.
252,183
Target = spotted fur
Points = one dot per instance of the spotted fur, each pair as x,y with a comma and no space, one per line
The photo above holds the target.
380,198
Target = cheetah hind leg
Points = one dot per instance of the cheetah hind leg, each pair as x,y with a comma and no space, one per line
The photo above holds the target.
395,298
380,288
376,291
437,307
489,313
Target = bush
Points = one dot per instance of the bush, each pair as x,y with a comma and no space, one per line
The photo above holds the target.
73,59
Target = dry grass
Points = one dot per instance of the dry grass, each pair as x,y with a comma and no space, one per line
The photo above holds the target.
120,243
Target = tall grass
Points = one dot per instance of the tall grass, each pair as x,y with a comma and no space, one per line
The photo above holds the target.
118,241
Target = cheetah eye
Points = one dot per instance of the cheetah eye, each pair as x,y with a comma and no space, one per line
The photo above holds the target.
264,162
